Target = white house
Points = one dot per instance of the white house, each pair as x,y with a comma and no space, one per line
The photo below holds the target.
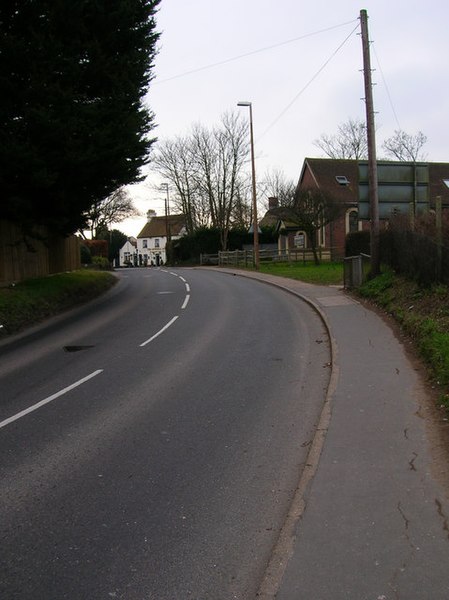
152,240
127,253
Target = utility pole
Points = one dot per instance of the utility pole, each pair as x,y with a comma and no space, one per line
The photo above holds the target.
372,160
256,254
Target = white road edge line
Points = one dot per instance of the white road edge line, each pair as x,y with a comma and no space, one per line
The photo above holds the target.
182,279
159,332
186,301
22,413
187,287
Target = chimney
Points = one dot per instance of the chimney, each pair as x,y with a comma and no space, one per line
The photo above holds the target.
150,215
273,202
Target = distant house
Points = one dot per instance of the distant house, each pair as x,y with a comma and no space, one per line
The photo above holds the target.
340,180
152,240
128,253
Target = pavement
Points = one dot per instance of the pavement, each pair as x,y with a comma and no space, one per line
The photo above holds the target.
370,519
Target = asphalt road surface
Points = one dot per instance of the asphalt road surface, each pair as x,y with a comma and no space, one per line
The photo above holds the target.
151,442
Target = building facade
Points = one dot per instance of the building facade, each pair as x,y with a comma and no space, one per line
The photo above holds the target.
153,238
340,180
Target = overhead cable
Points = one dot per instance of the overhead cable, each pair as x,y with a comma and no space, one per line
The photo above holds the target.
290,104
246,54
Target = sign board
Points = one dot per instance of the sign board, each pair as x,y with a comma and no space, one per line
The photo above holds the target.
402,187
299,240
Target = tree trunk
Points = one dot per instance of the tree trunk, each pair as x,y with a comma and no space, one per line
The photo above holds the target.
312,237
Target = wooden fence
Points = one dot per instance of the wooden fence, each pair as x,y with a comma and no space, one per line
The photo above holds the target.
244,258
23,257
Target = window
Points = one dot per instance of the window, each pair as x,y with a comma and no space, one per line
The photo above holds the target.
352,220
342,179
156,243
144,243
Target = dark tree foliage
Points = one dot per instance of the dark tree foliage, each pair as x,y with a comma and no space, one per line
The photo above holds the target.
115,239
73,127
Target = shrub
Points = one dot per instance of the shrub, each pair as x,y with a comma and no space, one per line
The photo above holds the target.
357,243
86,256
101,262
97,247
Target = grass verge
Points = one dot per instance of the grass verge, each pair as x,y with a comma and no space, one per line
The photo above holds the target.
323,274
33,300
423,314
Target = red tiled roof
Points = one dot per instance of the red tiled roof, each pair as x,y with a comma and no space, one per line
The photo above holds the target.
324,172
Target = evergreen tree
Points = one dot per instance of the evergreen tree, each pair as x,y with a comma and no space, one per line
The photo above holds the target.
73,127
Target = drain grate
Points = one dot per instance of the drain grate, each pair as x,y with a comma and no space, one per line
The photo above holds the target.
76,348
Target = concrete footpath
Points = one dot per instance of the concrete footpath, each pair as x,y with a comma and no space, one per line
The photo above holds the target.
370,520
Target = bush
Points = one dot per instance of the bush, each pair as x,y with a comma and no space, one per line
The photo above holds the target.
97,247
357,243
86,256
414,252
411,254
100,262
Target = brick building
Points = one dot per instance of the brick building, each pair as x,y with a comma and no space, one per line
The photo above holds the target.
339,179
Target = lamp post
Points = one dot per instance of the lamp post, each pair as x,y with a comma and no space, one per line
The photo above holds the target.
164,186
253,177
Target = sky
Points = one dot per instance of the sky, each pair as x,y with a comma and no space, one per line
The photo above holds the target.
300,65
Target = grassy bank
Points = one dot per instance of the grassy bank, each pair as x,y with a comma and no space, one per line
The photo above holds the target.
34,300
423,314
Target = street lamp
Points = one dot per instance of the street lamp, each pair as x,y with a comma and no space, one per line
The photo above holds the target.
164,186
253,172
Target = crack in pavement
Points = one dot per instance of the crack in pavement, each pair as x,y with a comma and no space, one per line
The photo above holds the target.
412,462
443,516
393,582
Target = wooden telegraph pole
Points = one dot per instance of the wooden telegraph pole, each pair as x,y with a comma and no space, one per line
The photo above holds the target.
371,136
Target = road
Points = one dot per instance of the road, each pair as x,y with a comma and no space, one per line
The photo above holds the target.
152,441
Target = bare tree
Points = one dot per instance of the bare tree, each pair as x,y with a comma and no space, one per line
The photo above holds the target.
405,147
206,170
111,210
174,160
311,211
277,185
350,141
242,213
220,154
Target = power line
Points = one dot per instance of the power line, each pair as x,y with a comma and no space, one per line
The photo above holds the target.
386,87
290,104
246,54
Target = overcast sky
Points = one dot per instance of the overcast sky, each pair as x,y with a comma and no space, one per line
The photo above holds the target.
299,63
